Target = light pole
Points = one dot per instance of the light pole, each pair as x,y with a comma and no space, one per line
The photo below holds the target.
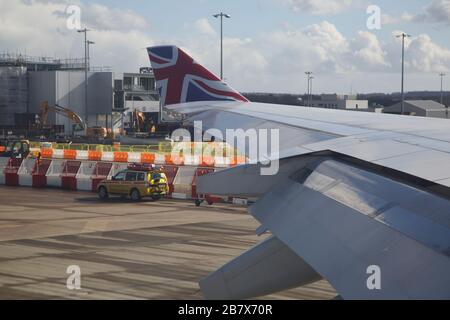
308,79
85,31
310,91
442,75
221,15
89,54
403,36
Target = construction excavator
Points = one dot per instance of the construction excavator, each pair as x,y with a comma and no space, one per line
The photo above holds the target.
90,132
139,121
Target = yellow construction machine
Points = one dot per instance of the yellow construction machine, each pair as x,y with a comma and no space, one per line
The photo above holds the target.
91,132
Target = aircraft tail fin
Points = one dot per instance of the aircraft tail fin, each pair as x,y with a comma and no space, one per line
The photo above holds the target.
180,79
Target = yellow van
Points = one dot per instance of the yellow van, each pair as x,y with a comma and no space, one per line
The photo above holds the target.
136,184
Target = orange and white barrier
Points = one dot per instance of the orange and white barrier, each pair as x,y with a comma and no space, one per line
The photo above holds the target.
108,156
82,155
134,157
143,157
83,170
59,153
160,159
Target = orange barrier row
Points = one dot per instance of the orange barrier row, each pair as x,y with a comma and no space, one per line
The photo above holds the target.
94,155
120,156
144,157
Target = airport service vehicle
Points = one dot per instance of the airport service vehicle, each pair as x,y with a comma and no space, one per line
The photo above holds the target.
137,181
15,148
360,199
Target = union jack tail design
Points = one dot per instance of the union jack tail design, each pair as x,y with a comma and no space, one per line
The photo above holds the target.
180,79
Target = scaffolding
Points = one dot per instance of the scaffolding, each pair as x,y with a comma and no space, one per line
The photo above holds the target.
13,93
40,63
33,63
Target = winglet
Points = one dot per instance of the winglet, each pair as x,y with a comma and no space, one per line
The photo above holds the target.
180,79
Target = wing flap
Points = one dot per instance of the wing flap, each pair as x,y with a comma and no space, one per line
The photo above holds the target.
340,236
266,268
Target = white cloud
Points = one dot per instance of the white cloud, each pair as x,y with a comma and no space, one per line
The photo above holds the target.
204,27
404,17
319,7
318,46
388,19
426,56
368,52
271,61
437,11
100,17
47,34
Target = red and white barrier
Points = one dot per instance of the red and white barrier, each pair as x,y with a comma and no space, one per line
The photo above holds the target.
25,172
40,172
3,165
199,172
11,176
54,172
84,175
101,172
69,174
182,184
171,173
116,168
32,173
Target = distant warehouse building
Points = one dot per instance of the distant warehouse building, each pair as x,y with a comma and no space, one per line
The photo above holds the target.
336,101
420,108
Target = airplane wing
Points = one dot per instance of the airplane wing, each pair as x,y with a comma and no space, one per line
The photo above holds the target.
360,199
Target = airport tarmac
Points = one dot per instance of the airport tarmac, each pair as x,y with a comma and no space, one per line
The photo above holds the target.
125,250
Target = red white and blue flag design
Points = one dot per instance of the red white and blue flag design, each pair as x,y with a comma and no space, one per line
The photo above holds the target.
180,79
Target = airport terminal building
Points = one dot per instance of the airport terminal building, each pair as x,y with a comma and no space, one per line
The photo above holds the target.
26,82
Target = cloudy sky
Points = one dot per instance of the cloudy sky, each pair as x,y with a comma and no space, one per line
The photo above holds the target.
269,44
